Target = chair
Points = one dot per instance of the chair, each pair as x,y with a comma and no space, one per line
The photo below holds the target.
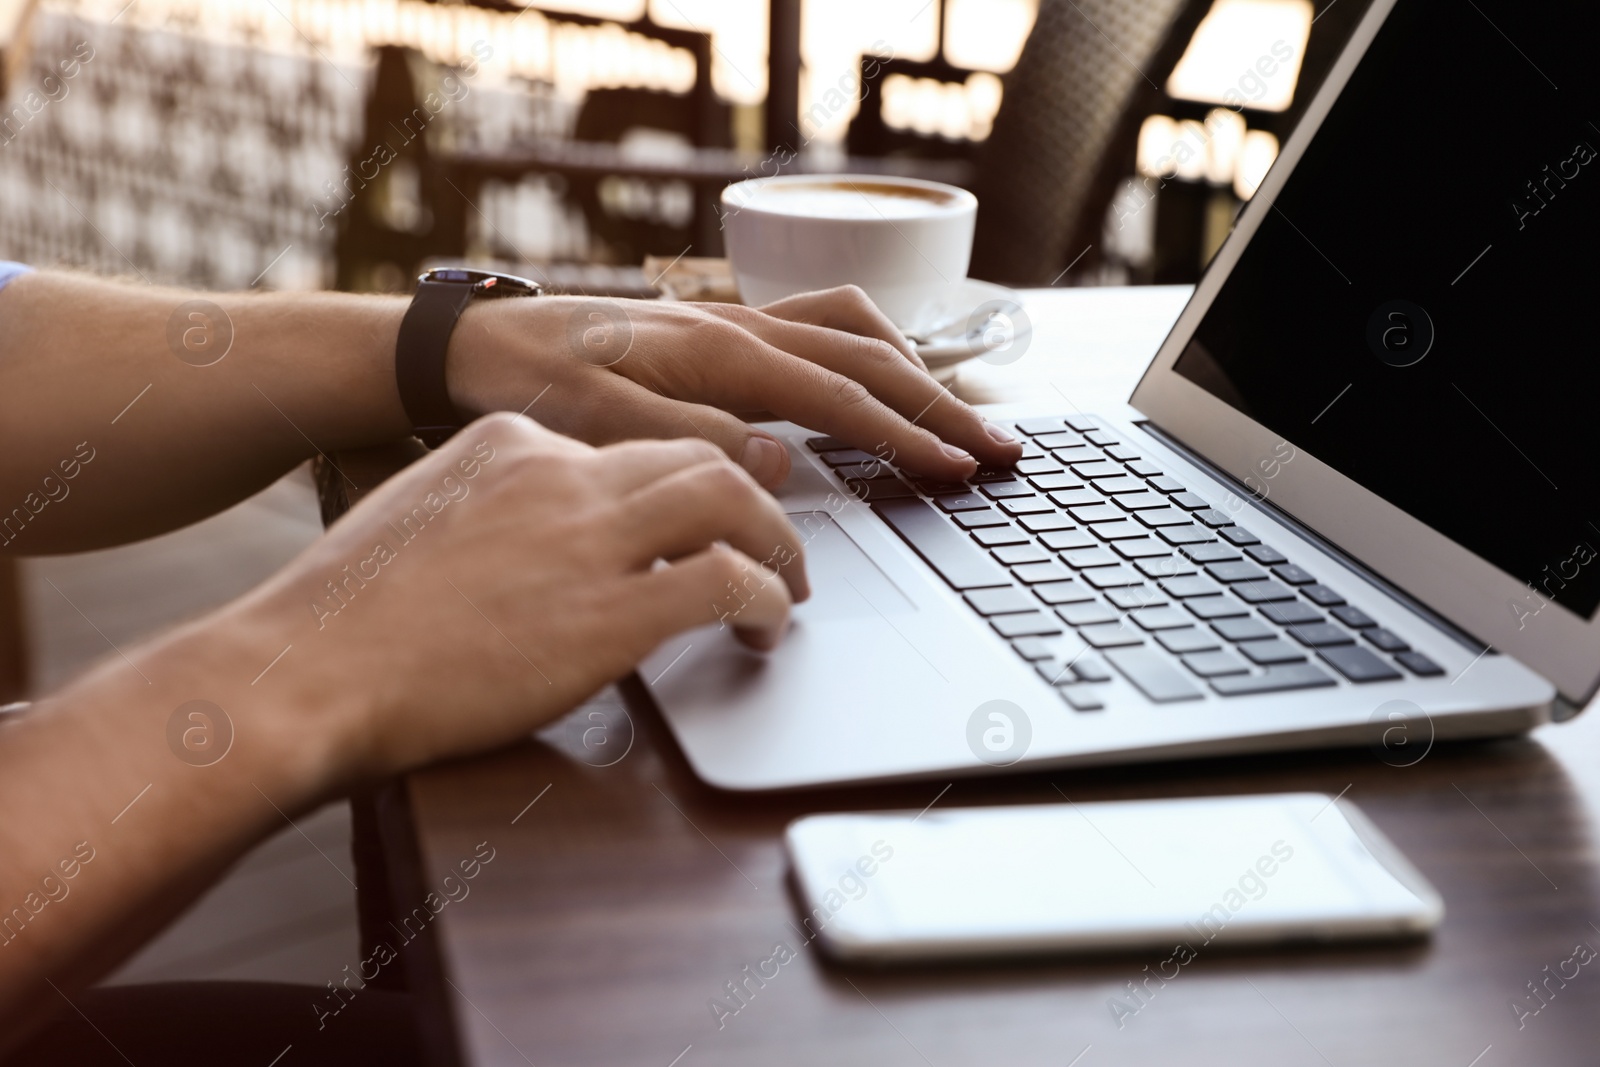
1067,130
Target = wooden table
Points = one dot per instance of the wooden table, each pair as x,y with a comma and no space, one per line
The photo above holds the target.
624,896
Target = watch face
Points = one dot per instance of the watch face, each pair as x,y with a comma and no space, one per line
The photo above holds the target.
487,282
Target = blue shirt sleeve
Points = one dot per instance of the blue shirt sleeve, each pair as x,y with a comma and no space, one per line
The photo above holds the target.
9,270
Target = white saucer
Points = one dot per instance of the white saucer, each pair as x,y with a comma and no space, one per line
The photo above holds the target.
976,318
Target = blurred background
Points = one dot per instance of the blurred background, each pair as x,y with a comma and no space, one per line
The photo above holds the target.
310,144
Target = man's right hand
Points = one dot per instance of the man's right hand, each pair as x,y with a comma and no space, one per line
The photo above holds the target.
500,581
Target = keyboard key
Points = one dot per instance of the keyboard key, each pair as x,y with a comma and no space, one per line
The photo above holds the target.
1135,597
1293,575
869,471
1292,613
1188,586
1236,571
1321,595
1417,663
989,473
1262,592
1212,664
1079,453
1064,540
1166,484
1090,669
1039,465
1000,601
1182,535
879,489
1145,501
1141,548
1118,531
1096,513
1068,592
1110,635
959,562
1032,451
935,487
1144,468
1058,439
1079,558
1101,437
1041,523
1353,617
1081,423
1088,613
1161,567
1122,452
1387,640
996,536
1055,672
1215,607
1033,648
1267,653
1238,535
1057,481
1026,505
1266,555
1209,553
1125,483
1081,697
1026,624
1011,555
1102,468
1076,498
1033,573
1243,629
977,520
961,502
1192,639
840,458
1002,490
1164,517
1150,672
1153,619
1272,680
1110,577
826,444
1213,517
1321,635
1189,501
1035,427
1358,664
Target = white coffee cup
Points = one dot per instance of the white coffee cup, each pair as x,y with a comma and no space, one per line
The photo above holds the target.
905,241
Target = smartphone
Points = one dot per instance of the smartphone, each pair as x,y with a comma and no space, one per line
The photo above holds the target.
1070,878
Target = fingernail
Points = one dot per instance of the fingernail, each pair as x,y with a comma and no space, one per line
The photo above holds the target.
957,454
763,458
998,433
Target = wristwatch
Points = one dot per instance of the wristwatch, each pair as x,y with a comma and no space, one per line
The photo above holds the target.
419,352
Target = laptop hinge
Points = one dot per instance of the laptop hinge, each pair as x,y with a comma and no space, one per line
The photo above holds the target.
1283,518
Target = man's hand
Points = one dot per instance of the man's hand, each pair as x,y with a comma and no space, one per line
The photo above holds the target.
625,369
500,581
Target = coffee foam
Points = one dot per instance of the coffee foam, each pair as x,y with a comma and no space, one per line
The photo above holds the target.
849,200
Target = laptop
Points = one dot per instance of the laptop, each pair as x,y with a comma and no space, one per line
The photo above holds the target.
1353,501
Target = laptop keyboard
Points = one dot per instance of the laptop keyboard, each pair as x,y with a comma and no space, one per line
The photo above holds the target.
1086,543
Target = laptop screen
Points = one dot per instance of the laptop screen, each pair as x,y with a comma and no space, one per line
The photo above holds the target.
1419,307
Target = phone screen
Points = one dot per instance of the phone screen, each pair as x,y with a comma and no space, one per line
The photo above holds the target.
1105,875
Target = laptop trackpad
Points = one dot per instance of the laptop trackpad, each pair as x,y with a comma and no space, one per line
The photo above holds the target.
845,583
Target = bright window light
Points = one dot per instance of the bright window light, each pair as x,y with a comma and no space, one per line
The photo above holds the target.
987,34
1260,148
1245,54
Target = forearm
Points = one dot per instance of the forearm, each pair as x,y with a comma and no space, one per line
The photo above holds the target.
114,820
87,370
